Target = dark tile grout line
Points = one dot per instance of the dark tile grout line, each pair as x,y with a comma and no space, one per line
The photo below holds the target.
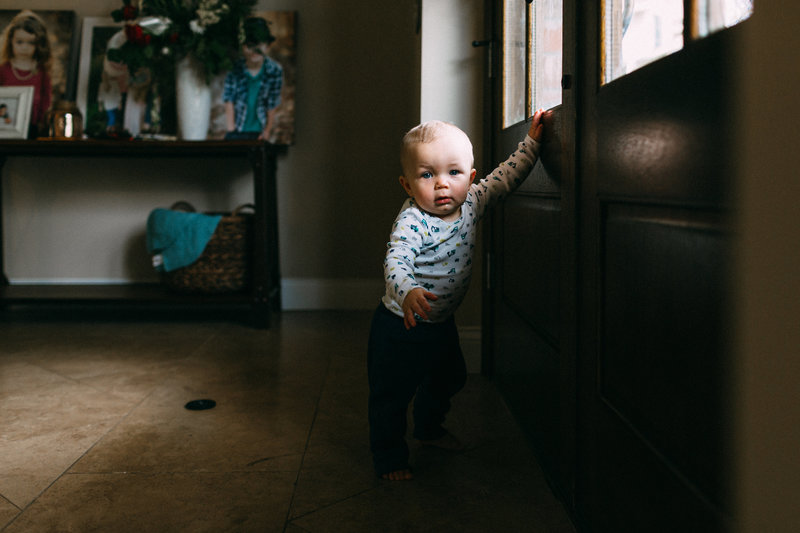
98,441
331,504
290,519
15,506
82,455
287,521
9,501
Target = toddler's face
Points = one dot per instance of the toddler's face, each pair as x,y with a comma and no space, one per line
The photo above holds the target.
438,175
23,44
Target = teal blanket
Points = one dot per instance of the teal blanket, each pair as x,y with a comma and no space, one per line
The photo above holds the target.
178,237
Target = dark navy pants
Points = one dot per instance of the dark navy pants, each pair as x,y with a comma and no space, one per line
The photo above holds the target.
424,363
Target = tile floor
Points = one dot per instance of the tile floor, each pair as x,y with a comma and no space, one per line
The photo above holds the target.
94,435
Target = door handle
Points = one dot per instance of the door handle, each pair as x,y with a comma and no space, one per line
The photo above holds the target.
488,44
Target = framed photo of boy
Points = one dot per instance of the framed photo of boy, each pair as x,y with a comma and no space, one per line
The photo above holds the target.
15,111
278,49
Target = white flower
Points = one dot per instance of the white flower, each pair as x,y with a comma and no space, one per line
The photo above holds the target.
209,12
196,27
155,25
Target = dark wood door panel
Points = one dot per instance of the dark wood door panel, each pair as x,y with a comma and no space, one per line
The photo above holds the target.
655,323
661,362
531,260
526,373
665,130
548,173
641,492
530,275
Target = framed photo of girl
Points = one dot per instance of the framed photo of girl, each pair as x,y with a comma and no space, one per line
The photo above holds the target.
38,48
15,111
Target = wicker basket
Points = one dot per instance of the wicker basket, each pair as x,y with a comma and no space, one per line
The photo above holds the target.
225,264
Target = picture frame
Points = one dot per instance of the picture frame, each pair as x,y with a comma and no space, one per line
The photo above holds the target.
282,25
97,95
95,34
15,111
63,36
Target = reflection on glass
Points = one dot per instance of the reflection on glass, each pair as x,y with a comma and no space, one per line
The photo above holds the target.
637,32
714,15
514,59
545,66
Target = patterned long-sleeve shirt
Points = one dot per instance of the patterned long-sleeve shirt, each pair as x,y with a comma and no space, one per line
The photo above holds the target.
425,251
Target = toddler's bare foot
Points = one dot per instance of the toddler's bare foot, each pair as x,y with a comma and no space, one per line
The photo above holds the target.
398,475
446,442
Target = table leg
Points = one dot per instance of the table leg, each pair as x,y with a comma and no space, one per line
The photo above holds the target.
266,277
3,278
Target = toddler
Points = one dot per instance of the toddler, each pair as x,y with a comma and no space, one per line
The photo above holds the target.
413,348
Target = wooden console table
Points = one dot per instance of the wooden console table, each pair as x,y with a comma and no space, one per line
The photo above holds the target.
260,300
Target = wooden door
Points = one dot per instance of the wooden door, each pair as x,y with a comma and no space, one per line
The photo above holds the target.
656,170
529,297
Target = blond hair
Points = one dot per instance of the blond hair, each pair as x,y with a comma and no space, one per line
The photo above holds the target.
427,132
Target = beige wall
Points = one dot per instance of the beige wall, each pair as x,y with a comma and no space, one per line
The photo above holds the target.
768,396
357,93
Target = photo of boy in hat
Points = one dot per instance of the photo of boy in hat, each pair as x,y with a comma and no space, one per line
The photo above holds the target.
252,88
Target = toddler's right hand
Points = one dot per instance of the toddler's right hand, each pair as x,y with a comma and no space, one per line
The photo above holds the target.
416,303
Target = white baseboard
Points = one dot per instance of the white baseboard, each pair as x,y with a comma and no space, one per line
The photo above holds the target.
69,281
301,294
297,294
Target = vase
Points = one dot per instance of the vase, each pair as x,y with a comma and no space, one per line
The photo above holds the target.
193,100
65,121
